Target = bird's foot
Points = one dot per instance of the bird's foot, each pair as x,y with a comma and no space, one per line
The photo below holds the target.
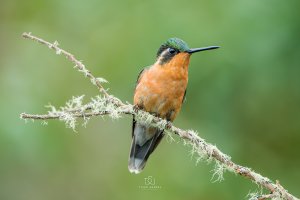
136,108
169,125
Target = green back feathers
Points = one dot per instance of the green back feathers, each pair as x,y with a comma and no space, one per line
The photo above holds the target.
174,43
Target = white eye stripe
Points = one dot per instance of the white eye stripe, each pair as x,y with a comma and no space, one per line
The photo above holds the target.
165,52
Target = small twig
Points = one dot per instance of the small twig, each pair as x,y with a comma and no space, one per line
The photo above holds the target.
204,149
76,115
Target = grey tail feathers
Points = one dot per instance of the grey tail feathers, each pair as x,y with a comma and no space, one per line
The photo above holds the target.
141,146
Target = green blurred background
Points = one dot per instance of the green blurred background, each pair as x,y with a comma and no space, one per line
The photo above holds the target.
243,97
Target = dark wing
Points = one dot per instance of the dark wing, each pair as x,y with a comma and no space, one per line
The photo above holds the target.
136,83
183,99
133,126
140,76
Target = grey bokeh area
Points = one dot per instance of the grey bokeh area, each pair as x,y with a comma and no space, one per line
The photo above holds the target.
243,97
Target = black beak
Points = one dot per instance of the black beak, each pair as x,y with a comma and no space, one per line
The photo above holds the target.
201,49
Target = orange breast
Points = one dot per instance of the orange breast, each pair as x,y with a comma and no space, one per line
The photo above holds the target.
161,88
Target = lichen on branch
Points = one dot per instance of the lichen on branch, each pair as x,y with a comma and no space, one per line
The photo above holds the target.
107,104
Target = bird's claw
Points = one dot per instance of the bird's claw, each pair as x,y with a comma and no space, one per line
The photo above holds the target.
169,125
135,108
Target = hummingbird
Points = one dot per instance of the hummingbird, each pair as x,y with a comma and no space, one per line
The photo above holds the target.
160,90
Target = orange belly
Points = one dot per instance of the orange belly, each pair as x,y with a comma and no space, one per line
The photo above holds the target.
161,90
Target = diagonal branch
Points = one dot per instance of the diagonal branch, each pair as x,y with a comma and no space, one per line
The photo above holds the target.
112,106
79,65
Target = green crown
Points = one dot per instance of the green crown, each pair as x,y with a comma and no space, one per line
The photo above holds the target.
177,43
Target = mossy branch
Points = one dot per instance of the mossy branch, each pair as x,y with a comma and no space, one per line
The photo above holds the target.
107,104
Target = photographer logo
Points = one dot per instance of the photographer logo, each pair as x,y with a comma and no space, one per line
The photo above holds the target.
149,184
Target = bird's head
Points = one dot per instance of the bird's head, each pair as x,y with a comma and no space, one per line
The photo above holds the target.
176,50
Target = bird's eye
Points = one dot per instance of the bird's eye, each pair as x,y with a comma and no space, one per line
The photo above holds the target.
172,51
